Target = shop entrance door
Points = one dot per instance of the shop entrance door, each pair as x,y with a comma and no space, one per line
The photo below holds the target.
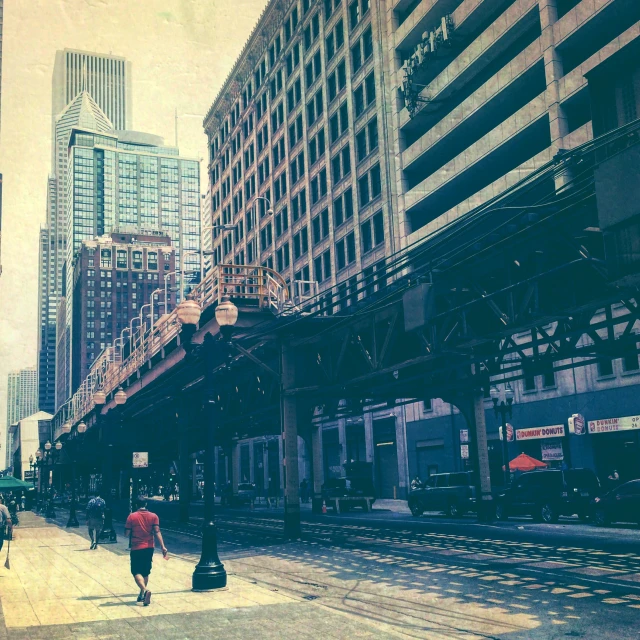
386,457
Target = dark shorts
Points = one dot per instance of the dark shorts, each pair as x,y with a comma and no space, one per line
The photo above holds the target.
141,561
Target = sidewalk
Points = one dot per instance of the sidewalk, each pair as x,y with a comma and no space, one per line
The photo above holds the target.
56,580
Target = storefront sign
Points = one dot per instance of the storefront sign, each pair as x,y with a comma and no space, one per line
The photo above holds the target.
535,433
28,475
510,431
552,451
140,459
464,451
577,424
464,435
614,424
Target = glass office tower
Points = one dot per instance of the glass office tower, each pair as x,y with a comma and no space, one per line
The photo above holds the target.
127,182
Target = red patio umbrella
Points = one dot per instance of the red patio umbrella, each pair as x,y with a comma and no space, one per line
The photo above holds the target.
525,463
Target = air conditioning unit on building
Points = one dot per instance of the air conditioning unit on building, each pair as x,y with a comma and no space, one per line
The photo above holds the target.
445,29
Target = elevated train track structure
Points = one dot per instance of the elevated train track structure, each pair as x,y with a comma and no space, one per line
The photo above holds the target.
543,277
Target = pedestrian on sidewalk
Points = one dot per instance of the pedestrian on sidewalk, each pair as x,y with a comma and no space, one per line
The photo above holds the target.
143,526
5,522
95,519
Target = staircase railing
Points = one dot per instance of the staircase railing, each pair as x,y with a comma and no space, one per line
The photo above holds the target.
259,286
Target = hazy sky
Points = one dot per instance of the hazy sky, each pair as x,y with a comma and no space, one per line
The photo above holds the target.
181,52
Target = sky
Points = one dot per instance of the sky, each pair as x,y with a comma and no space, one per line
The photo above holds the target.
181,52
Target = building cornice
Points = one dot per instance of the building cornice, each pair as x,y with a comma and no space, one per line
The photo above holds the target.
270,21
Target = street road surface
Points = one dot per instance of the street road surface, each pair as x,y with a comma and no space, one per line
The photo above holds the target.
379,575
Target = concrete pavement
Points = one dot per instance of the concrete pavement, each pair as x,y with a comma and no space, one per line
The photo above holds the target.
344,580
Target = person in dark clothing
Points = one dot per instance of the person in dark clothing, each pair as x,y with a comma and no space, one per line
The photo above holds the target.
5,523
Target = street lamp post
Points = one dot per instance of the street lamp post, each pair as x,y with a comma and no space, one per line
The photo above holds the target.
80,429
51,452
39,464
210,572
32,468
503,407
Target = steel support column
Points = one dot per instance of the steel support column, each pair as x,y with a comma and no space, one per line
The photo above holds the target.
317,467
108,533
184,464
289,418
481,455
317,461
235,467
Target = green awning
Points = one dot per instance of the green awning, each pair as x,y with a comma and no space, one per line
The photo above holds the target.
9,483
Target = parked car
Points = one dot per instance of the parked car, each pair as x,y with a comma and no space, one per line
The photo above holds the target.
621,504
453,493
549,493
246,493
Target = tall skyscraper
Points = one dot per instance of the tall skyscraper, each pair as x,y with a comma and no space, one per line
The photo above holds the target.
125,182
22,400
94,91
106,78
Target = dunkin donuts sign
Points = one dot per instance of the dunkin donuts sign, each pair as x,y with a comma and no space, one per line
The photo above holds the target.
535,433
614,424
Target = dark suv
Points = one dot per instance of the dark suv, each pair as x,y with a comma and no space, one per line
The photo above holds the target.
549,493
452,493
621,504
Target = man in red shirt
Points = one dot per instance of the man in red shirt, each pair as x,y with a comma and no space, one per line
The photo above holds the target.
143,526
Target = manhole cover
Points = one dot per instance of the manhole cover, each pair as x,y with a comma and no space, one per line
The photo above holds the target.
310,597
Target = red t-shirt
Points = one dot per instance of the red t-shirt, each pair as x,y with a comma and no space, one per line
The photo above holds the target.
141,525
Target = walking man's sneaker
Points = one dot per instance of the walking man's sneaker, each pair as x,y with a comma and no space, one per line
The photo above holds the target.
140,599
147,598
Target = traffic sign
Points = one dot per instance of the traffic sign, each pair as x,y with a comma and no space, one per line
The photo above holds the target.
140,459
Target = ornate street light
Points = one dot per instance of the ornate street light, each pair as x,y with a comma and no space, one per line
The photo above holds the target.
189,311
82,427
99,398
58,445
226,317
210,572
47,446
120,397
503,407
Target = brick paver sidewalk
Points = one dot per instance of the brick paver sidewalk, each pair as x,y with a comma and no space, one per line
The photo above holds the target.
57,588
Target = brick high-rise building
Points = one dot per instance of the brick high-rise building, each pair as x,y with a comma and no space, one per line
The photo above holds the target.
114,276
